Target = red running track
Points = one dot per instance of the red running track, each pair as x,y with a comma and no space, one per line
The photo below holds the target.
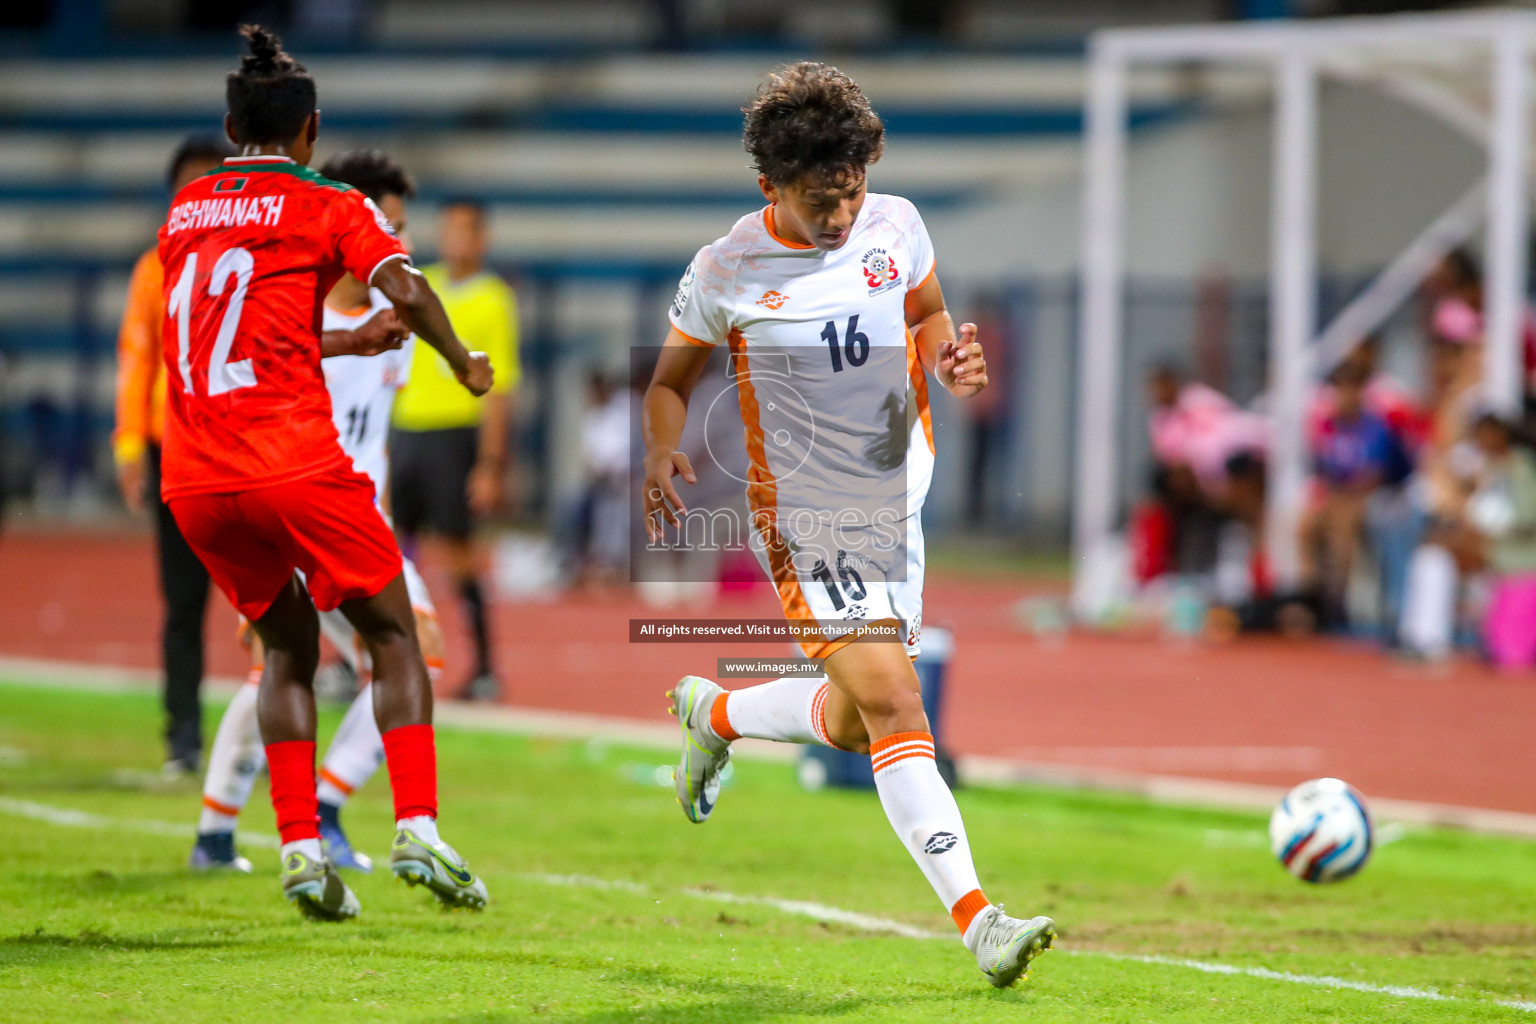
1262,711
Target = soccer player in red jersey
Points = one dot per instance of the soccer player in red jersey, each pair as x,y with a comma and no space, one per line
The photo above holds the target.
254,472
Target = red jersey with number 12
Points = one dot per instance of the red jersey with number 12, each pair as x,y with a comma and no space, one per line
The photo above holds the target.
251,250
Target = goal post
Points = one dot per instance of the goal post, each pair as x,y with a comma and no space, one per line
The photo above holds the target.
1471,70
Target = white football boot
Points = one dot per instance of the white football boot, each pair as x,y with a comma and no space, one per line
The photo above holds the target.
1004,945
316,889
705,754
440,868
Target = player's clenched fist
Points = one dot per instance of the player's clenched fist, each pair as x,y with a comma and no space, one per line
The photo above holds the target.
962,368
476,374
661,500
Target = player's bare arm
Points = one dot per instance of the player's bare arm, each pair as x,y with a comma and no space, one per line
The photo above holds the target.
662,416
382,332
958,363
422,312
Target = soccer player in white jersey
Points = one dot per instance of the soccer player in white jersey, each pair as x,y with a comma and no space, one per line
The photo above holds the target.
829,301
367,359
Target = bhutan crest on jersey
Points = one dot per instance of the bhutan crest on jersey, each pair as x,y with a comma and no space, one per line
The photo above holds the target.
880,271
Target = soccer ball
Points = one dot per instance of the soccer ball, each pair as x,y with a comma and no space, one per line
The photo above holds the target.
1322,831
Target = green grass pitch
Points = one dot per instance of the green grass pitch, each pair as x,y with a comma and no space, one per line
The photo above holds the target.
100,920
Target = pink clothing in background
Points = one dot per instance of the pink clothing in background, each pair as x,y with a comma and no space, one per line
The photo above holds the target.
1509,628
1456,321
1203,430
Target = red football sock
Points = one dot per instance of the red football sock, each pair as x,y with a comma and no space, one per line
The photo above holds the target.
292,767
412,757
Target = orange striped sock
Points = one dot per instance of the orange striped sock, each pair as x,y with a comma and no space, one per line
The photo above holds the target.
326,775
897,747
719,720
967,907
923,813
218,807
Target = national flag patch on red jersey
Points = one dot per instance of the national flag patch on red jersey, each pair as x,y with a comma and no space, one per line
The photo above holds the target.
230,184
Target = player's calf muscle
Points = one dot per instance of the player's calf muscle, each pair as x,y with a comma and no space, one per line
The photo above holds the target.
878,679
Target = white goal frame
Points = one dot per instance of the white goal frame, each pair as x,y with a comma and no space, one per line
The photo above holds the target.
1297,53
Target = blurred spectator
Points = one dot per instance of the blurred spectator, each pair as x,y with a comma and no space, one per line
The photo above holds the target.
1446,476
136,450
1199,428
1501,523
596,545
1383,395
1394,523
448,449
1242,593
989,415
1354,453
1196,432
1152,531
1454,306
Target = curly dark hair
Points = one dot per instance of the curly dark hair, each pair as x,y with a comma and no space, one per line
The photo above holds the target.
371,172
271,95
811,121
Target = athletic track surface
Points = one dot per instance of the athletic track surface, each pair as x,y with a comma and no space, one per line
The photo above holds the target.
1263,712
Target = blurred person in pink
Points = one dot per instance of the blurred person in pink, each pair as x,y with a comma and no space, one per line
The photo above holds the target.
1196,434
1500,532
1198,427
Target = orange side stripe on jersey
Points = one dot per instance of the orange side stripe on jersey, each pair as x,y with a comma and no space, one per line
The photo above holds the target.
330,777
924,282
920,389
690,339
213,805
763,499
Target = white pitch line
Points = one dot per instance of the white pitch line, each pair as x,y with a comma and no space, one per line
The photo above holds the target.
1319,980
1172,789
71,818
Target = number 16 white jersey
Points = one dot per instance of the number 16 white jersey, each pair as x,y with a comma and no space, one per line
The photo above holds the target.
832,393
363,392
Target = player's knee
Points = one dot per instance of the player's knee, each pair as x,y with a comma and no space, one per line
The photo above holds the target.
895,704
853,740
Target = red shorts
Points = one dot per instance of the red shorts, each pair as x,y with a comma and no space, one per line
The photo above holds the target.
327,526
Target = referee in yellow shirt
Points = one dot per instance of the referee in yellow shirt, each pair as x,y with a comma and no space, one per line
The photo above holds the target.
448,449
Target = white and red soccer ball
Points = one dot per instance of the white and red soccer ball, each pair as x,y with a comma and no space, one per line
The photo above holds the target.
1322,831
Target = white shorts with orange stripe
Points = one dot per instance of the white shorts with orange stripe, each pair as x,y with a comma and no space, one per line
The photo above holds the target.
833,575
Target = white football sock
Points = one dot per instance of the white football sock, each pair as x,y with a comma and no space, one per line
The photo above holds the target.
789,710
424,827
927,820
308,847
234,761
355,753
